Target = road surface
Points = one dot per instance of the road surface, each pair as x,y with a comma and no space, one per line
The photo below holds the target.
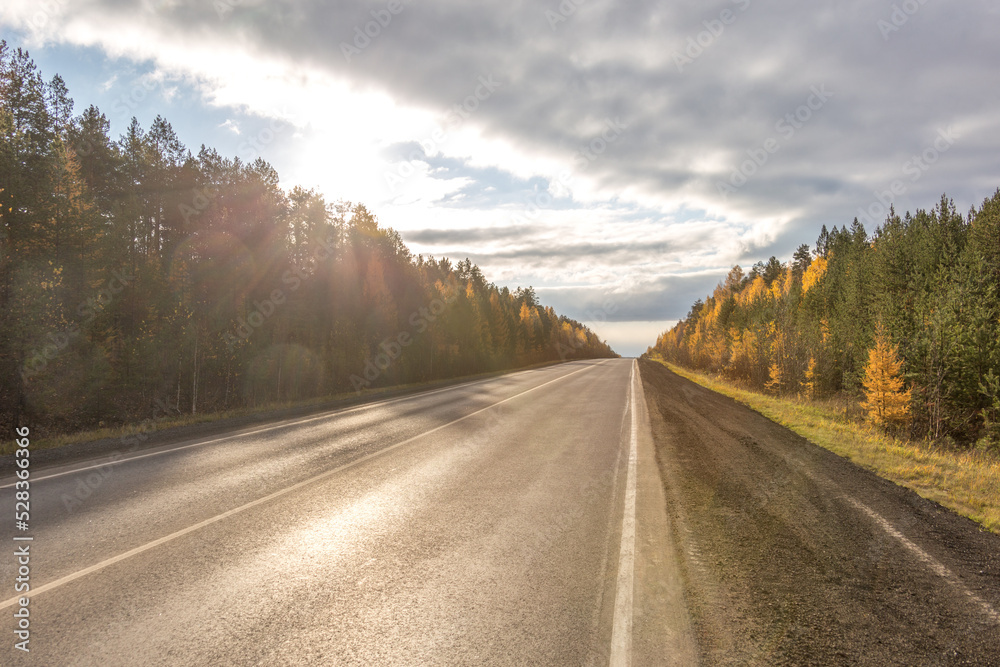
793,556
477,524
571,515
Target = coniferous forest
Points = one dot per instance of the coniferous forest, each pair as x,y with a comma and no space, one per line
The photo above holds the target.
136,275
905,319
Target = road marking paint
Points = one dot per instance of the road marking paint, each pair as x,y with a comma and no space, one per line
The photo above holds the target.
264,429
621,634
277,494
935,565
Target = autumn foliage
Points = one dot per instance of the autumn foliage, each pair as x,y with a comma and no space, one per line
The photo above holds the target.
138,279
808,326
886,402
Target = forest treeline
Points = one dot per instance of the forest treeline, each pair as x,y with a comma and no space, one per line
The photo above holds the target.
137,278
907,318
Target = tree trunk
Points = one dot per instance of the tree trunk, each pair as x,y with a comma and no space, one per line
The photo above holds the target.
194,378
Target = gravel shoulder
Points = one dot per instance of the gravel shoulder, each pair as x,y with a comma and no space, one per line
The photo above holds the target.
792,555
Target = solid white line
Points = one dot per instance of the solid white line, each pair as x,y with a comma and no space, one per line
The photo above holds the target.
621,634
936,566
277,494
932,563
264,429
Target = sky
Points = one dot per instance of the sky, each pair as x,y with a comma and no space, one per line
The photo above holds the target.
619,156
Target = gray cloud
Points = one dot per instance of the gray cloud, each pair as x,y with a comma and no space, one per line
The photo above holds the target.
890,96
469,236
666,298
613,59
691,124
592,65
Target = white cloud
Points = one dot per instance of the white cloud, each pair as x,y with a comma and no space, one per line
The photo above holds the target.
109,84
646,208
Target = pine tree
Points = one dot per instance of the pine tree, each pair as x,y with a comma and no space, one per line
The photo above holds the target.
823,242
887,404
801,261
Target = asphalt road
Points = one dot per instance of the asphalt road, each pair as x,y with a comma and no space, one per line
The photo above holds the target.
791,555
570,515
511,521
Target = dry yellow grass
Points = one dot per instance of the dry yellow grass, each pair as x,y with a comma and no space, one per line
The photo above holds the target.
966,482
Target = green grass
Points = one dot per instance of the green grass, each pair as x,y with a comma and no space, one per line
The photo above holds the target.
967,482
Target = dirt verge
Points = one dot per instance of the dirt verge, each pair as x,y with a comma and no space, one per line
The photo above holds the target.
793,555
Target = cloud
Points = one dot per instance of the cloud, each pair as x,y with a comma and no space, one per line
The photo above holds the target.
109,84
704,94
231,125
664,298
467,237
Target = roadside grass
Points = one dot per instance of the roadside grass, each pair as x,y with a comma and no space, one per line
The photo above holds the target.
143,429
967,482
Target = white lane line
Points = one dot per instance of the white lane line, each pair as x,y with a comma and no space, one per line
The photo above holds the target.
621,634
264,429
277,494
936,566
928,560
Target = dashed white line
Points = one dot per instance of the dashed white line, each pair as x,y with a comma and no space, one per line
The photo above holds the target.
242,434
277,494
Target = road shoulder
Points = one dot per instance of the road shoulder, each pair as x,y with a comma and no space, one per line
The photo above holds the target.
662,631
